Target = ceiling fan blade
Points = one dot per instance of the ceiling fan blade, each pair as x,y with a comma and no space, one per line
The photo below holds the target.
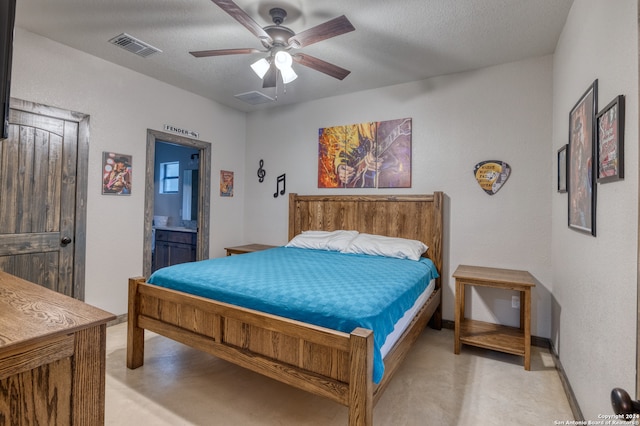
241,16
332,28
322,66
270,77
222,52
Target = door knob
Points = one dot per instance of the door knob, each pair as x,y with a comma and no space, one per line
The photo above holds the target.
65,240
623,404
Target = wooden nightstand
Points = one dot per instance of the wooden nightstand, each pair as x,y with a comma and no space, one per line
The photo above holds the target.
249,248
497,337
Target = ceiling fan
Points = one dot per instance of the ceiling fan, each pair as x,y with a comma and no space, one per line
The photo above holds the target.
278,40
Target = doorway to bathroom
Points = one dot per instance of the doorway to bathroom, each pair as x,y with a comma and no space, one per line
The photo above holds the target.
177,200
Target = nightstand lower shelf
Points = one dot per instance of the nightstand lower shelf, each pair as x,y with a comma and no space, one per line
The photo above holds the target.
492,336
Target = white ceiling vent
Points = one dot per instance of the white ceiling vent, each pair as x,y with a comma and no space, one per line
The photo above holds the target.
134,45
254,98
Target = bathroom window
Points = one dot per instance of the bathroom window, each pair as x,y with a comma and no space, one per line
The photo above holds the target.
169,177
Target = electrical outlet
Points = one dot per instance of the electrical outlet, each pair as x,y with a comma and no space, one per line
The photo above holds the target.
515,302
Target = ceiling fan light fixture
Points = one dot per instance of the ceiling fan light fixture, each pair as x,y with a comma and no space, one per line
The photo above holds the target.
283,60
261,67
288,75
278,40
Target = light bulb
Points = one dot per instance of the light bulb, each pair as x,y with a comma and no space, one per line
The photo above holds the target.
283,60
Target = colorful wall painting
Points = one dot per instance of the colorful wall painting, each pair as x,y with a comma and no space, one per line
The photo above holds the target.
366,155
116,174
610,145
581,186
226,183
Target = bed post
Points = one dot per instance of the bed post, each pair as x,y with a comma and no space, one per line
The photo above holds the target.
292,215
437,229
135,334
361,378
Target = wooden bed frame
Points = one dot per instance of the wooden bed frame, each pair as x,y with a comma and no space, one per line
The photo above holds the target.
322,361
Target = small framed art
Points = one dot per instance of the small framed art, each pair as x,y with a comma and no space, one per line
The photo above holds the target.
562,169
116,174
610,145
226,183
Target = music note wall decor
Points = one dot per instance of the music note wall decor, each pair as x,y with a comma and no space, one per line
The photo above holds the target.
261,172
281,178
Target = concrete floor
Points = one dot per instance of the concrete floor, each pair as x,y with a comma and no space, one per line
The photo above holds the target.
181,386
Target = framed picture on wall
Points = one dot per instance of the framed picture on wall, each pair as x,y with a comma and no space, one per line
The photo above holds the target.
226,183
610,145
581,170
562,169
116,174
374,154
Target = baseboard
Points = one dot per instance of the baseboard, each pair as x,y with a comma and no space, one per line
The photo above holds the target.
571,397
543,342
119,320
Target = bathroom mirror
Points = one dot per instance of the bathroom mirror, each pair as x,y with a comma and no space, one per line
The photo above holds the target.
190,195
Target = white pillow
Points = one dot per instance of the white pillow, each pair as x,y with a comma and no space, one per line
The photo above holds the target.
379,245
323,240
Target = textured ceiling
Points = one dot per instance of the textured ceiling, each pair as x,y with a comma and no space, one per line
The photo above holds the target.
395,41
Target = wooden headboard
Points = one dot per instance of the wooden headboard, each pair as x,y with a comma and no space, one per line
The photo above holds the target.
417,217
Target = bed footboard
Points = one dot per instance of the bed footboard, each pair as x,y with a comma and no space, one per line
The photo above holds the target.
325,362
135,334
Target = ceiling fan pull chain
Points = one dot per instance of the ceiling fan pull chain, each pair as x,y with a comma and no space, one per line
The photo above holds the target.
277,72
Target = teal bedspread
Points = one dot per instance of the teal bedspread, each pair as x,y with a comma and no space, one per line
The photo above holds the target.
326,288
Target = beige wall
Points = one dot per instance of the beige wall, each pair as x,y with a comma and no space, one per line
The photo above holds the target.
497,113
594,279
585,300
123,105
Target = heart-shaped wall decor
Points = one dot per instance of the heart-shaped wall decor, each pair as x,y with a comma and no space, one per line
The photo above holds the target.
491,175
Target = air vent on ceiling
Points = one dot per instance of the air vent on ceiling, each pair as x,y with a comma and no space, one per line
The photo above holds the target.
254,98
134,45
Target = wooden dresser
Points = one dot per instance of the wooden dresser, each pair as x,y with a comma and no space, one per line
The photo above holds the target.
52,356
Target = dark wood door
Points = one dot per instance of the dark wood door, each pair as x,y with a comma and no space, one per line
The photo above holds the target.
41,195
